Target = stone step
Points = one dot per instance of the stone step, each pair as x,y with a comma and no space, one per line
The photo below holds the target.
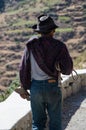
78,19
75,8
83,23
77,13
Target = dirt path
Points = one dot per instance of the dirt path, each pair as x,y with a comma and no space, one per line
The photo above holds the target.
74,112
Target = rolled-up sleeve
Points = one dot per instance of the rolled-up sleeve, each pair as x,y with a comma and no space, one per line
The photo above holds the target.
66,63
24,70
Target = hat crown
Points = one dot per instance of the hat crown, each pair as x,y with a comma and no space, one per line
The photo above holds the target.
43,18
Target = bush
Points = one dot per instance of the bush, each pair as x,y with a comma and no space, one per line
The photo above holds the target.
10,89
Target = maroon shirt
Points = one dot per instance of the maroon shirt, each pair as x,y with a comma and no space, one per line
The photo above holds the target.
48,53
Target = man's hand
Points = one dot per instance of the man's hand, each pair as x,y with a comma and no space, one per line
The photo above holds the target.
23,93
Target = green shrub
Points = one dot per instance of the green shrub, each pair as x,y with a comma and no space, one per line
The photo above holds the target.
64,18
61,30
80,60
10,89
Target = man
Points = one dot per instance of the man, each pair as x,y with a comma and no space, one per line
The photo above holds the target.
38,72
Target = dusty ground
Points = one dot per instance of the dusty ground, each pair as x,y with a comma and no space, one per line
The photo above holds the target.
74,112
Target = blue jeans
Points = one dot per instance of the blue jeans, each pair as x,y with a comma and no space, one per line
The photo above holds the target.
45,96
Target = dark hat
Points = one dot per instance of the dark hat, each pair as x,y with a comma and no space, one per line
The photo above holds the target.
45,24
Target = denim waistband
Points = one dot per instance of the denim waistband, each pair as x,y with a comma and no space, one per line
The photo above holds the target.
45,81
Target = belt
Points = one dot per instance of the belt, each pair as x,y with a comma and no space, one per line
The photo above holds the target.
48,80
52,81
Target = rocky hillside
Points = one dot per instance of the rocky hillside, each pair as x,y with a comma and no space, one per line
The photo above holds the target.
15,30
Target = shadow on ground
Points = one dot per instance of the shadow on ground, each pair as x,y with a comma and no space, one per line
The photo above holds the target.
70,106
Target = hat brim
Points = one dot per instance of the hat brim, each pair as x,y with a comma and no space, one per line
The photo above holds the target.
44,29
